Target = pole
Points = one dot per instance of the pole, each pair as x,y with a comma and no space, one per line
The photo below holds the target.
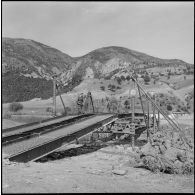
154,116
148,120
158,120
133,118
63,104
54,96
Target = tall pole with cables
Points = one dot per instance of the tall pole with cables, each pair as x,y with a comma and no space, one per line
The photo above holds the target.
54,95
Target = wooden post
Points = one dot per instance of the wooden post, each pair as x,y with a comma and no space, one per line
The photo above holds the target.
133,115
63,104
54,96
148,120
154,116
158,120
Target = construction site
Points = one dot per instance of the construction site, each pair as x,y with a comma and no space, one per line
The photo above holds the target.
155,141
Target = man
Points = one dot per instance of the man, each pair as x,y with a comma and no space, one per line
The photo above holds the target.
87,101
80,102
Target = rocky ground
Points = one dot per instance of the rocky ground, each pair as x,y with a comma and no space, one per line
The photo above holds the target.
106,170
109,167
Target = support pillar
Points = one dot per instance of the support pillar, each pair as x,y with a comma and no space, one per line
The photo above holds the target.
54,96
133,93
154,116
158,120
148,121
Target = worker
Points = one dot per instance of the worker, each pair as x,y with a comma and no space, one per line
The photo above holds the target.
87,103
80,102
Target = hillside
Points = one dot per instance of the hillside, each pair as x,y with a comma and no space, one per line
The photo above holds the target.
32,57
34,63
108,61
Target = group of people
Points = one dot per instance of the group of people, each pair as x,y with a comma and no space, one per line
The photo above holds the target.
83,102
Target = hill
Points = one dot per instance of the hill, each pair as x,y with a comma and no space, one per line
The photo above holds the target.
30,56
33,63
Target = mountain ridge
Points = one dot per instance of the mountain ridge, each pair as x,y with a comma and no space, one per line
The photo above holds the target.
34,60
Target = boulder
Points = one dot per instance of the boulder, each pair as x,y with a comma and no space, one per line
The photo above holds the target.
148,150
171,154
119,172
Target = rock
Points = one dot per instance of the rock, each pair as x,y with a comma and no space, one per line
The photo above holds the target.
149,150
188,168
162,148
28,181
178,164
168,144
119,172
95,172
181,156
171,154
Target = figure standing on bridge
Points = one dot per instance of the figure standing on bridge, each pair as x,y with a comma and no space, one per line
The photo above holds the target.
80,102
88,103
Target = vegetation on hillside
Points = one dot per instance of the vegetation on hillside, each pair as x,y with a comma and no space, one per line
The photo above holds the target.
17,88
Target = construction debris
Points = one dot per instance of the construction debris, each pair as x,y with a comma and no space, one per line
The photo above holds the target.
166,152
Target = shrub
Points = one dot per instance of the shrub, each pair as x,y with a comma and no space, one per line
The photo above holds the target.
146,79
15,106
123,78
7,115
49,109
126,103
118,79
169,107
128,78
102,88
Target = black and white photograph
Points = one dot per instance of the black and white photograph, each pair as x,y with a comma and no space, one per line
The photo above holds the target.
97,97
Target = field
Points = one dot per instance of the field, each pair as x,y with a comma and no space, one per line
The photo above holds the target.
37,109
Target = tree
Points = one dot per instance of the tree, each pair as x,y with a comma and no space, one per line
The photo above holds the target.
169,75
102,88
122,78
128,78
169,107
126,103
146,79
15,106
118,79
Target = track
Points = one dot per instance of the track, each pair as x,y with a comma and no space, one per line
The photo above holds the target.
21,133
36,147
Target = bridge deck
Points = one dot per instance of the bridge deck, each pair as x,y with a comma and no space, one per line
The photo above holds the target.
34,142
28,127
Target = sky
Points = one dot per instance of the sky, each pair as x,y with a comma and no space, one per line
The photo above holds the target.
160,29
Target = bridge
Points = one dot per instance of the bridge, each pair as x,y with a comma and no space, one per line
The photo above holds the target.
32,141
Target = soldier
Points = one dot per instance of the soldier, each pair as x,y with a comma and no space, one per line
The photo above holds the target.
80,103
88,99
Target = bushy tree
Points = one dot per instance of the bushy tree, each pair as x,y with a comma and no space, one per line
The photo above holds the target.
102,88
122,78
128,78
146,79
15,106
169,107
118,79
